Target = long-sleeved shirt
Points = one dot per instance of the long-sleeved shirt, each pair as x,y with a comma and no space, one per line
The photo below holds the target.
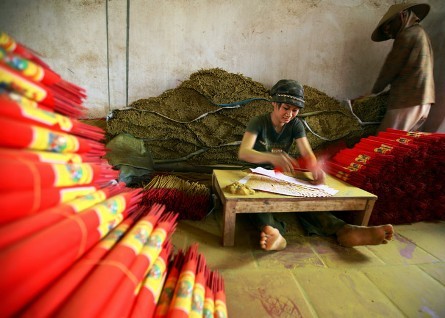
408,68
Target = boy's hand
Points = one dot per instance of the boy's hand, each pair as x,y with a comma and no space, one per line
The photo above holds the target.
319,176
284,163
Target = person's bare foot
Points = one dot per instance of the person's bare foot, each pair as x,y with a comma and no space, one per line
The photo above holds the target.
271,239
354,235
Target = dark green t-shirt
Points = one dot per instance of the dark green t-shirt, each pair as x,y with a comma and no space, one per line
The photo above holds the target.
268,139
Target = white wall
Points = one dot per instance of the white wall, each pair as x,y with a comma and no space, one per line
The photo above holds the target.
121,51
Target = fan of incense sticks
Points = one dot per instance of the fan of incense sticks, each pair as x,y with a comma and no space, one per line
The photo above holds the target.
191,200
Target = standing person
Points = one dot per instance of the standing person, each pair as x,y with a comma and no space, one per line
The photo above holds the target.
267,140
408,68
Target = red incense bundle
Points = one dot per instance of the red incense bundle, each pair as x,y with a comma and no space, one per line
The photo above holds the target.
65,242
35,72
148,296
16,134
42,156
47,96
17,204
86,301
170,285
199,289
181,303
26,226
190,200
45,175
47,304
30,114
416,134
209,300
120,303
402,144
220,297
11,45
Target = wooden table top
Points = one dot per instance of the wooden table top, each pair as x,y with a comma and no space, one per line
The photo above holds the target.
345,190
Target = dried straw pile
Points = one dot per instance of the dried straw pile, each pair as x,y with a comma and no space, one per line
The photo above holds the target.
188,124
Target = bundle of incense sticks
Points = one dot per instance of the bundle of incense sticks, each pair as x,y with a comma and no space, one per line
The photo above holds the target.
45,255
21,135
191,289
404,169
39,175
73,241
25,225
22,72
148,295
158,240
197,308
48,302
191,200
22,109
92,296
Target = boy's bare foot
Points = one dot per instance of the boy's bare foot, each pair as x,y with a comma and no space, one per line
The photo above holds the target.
353,235
271,239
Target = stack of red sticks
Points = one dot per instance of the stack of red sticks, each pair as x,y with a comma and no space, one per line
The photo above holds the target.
73,241
404,169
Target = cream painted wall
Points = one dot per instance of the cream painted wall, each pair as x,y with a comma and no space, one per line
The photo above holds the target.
120,51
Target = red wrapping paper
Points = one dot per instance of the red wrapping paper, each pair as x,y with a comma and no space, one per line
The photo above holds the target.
26,226
47,304
64,243
47,96
17,134
120,303
181,303
150,291
30,114
170,285
45,156
11,45
220,297
35,175
91,296
199,289
24,101
39,73
209,300
18,204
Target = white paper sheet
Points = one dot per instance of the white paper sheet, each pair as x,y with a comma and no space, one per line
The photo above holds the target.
279,176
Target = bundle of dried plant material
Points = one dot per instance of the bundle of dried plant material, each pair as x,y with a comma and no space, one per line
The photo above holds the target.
222,87
371,108
239,188
202,121
191,200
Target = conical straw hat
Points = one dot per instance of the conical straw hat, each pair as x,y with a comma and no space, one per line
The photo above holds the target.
420,9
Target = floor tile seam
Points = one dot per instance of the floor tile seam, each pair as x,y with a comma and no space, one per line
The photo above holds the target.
382,291
376,256
421,248
318,256
306,297
433,278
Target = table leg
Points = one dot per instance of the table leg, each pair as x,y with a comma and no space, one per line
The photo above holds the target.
362,217
229,224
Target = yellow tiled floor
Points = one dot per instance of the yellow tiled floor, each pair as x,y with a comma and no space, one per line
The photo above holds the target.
315,277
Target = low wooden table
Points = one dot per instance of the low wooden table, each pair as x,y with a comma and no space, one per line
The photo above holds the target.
348,198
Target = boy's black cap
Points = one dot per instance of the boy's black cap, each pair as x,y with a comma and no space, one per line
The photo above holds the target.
288,92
